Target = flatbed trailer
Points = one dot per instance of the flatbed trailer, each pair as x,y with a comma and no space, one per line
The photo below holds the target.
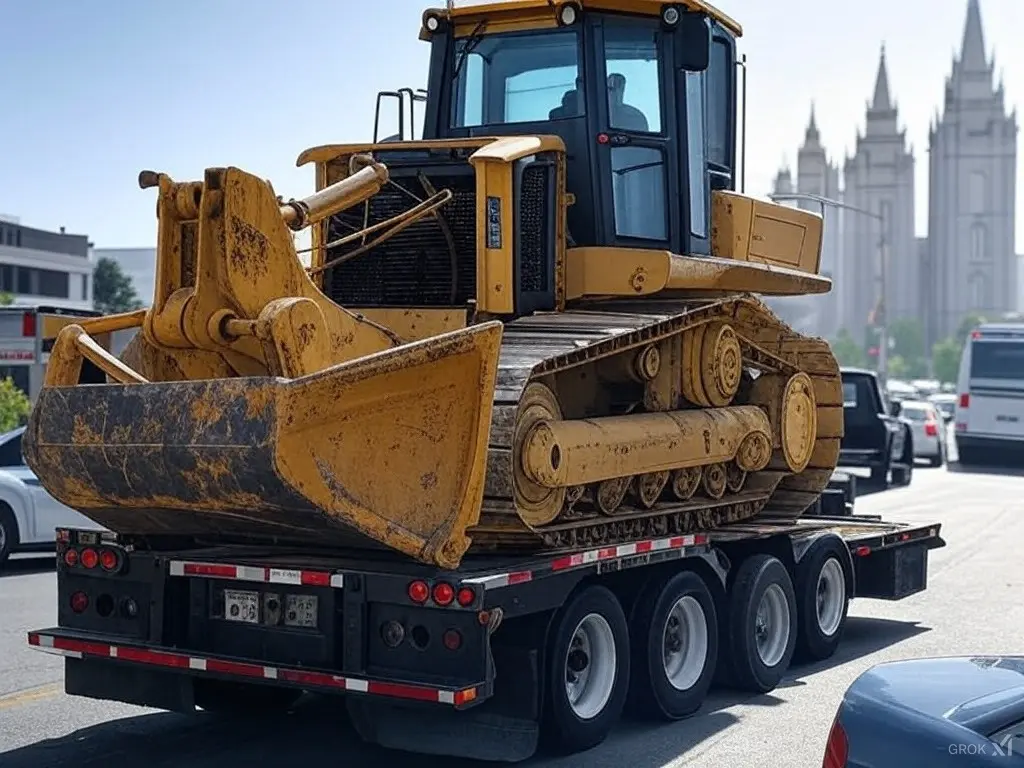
488,661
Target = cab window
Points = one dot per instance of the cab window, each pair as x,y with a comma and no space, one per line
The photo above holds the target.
517,78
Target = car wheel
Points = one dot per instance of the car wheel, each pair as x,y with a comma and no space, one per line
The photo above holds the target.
8,532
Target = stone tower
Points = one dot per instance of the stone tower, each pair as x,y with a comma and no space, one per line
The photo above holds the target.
973,164
879,179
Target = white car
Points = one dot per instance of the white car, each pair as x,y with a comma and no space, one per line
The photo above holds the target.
927,425
29,515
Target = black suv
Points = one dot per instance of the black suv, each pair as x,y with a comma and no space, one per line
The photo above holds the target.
875,436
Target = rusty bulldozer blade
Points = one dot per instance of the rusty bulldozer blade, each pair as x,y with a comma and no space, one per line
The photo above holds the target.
388,448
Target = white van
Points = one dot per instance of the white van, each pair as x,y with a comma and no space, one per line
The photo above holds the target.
990,404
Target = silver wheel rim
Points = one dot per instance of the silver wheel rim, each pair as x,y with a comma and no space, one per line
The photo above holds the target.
771,625
830,597
590,667
685,643
3,537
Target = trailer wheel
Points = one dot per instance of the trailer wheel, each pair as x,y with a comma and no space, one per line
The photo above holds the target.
762,625
587,671
823,599
674,639
229,698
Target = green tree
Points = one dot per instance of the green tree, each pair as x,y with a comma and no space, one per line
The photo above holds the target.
6,298
899,368
14,405
907,336
847,351
112,289
946,359
968,324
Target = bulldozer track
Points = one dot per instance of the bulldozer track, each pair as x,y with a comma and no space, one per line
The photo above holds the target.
536,347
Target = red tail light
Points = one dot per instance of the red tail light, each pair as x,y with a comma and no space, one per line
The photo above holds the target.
28,324
443,593
837,749
466,597
109,560
975,334
419,591
931,429
79,602
965,399
71,557
89,558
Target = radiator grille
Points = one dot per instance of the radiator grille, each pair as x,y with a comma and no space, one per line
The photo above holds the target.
534,220
416,267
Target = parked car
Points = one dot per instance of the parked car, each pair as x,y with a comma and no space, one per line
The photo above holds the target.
875,437
29,515
928,428
946,404
940,713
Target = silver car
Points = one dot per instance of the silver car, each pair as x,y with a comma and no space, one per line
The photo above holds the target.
929,431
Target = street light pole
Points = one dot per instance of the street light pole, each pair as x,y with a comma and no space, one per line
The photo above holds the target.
883,258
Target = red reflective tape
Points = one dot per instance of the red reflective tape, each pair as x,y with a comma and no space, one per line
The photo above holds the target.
157,658
566,562
210,569
399,691
520,577
234,668
96,649
644,546
700,538
606,553
315,579
676,542
305,677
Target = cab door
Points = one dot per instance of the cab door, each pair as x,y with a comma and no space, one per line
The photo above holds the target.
634,111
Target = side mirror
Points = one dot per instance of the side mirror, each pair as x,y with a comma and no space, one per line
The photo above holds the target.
895,407
947,417
694,30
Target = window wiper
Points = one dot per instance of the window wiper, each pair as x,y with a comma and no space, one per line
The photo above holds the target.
469,46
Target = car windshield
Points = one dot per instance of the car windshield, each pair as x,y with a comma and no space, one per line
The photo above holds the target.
915,412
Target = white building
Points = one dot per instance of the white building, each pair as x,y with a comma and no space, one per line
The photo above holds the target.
38,267
137,263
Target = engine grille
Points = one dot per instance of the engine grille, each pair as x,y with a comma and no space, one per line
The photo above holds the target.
534,221
418,266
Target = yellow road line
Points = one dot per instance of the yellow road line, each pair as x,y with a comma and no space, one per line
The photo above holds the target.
29,695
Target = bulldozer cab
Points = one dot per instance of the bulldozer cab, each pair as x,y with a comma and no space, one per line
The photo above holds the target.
645,102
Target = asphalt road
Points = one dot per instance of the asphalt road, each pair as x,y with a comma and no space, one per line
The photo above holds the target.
972,606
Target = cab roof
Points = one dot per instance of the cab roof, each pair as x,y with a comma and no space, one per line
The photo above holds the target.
465,10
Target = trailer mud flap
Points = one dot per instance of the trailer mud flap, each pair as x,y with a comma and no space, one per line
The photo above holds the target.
389,448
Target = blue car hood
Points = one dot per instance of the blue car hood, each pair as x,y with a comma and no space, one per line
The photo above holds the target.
977,692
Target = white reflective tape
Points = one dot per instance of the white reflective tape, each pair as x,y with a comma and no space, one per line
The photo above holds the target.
177,568
589,557
489,582
659,545
45,641
270,673
625,550
360,686
338,580
62,652
199,664
112,651
250,573
446,697
284,576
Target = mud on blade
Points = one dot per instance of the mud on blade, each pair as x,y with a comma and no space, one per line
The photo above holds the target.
390,447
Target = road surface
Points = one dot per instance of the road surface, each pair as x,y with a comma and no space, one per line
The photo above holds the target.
972,606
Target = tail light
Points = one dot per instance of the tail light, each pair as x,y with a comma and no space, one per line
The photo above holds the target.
452,639
837,749
28,324
443,593
965,399
466,597
931,429
109,560
70,557
419,591
79,602
89,558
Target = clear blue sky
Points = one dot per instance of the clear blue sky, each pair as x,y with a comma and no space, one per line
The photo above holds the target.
96,91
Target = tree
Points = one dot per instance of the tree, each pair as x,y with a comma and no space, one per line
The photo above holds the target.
907,336
847,351
946,359
14,405
112,289
6,298
899,368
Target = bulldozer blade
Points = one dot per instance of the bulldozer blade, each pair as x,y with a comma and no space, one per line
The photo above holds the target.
389,448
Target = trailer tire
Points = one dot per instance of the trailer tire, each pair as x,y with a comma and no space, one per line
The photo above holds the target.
589,639
762,625
679,611
229,698
823,599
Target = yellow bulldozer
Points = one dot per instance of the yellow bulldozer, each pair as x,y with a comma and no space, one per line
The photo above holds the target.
535,327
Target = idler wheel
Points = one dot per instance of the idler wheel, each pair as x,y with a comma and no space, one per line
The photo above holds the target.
535,504
713,365
799,421
714,480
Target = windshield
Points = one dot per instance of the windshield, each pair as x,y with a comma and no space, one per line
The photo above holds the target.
915,412
517,78
997,360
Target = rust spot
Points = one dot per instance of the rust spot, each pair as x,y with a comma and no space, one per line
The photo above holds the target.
428,481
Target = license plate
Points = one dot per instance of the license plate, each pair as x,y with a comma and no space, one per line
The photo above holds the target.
301,611
242,606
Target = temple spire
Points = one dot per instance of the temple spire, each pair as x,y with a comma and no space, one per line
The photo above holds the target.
972,49
882,101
